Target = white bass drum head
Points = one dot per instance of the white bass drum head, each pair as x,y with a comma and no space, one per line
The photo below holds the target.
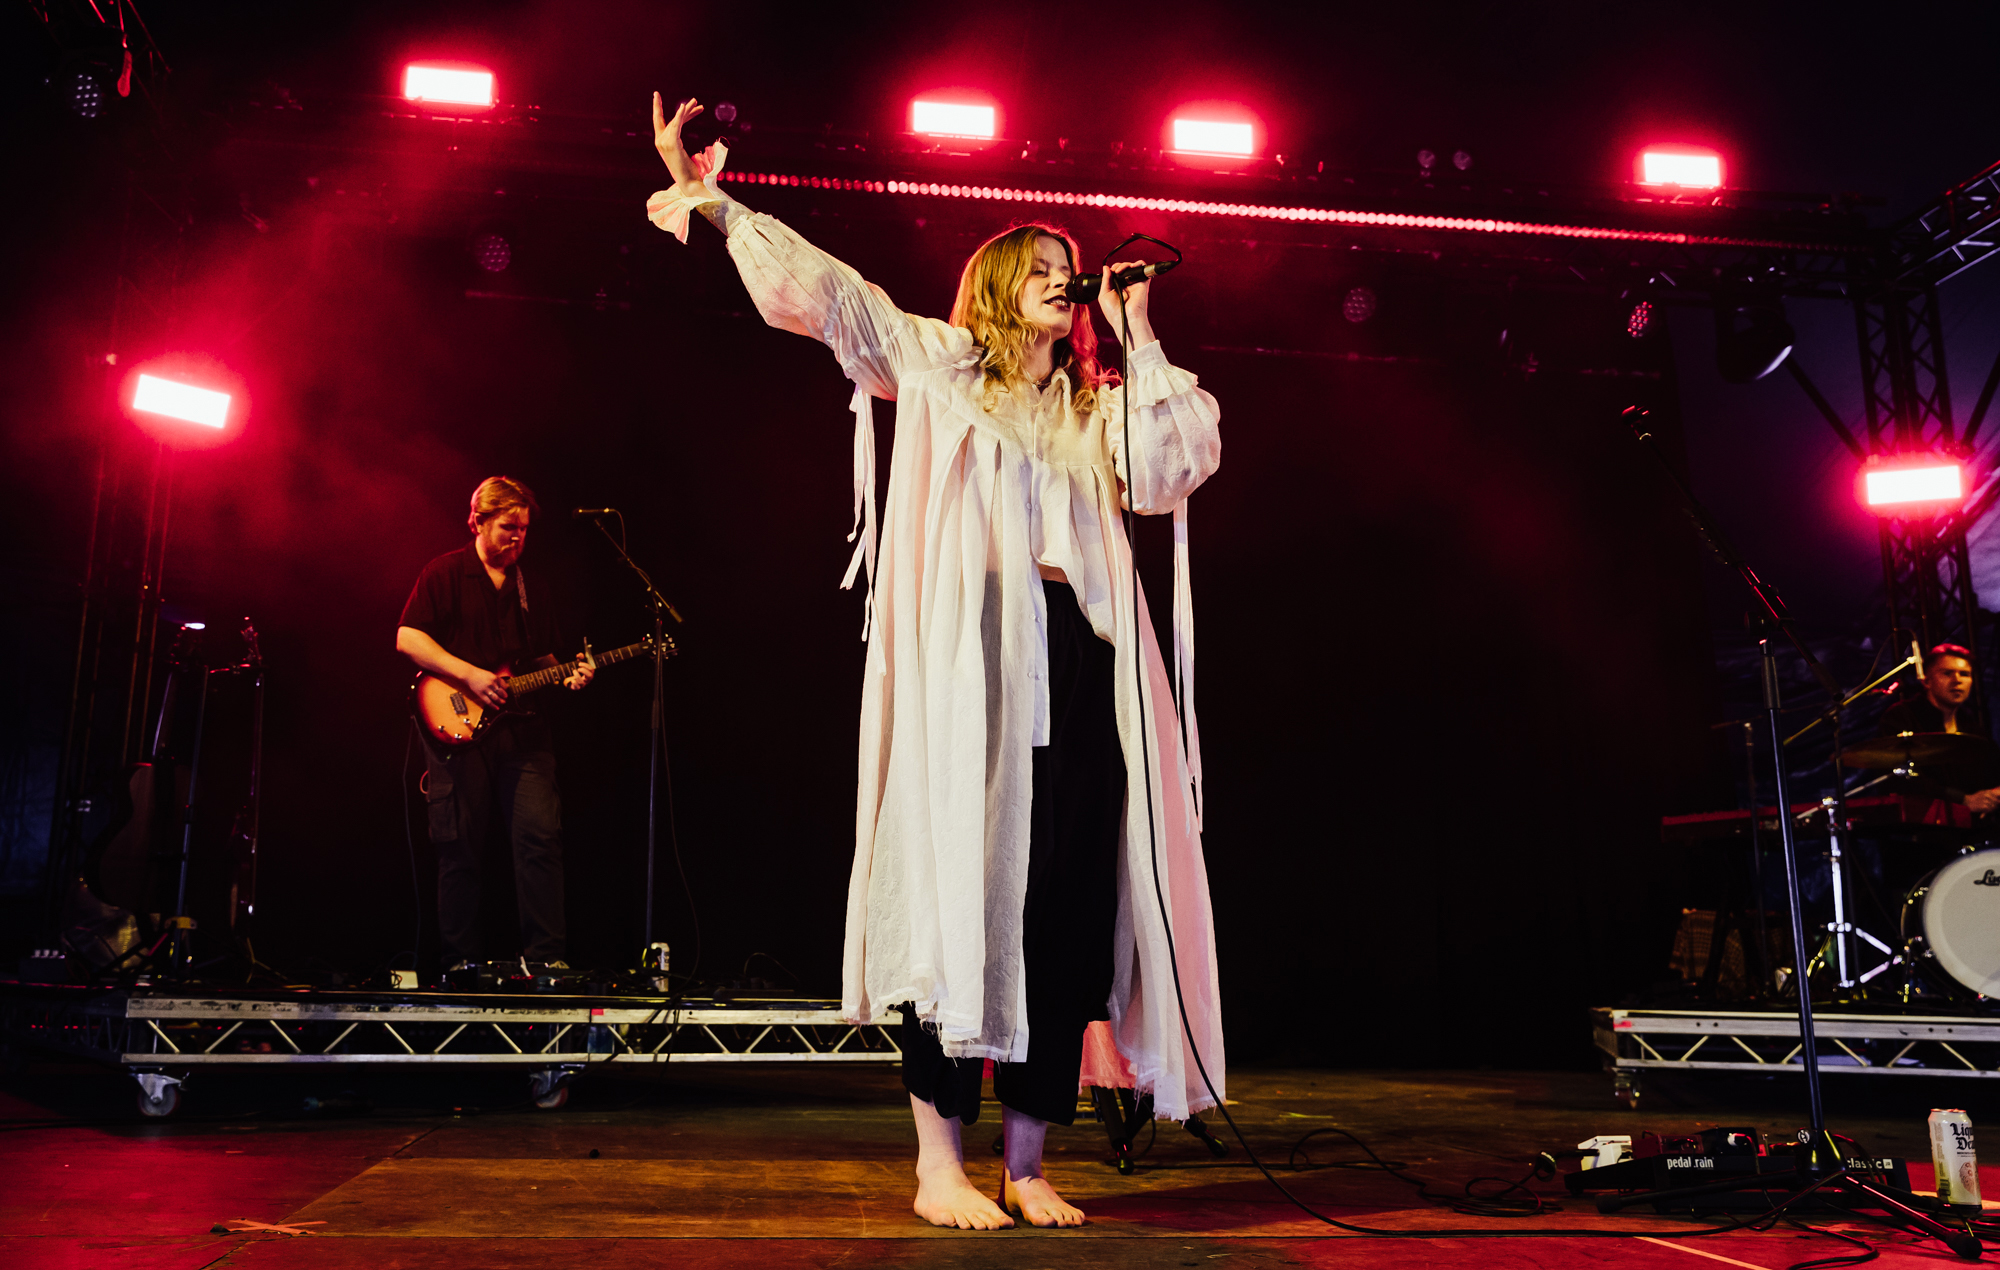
1962,920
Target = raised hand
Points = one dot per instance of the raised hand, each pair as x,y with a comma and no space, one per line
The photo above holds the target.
667,140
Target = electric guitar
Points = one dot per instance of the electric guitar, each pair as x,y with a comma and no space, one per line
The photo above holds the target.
451,716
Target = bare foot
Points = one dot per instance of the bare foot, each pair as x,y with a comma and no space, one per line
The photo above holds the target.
1037,1201
946,1198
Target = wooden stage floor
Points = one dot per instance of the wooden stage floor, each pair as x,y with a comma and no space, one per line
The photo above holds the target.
784,1167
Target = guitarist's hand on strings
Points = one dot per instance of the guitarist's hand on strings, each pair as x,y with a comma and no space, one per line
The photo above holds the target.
485,687
586,668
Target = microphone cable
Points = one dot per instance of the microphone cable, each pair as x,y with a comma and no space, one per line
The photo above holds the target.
1129,516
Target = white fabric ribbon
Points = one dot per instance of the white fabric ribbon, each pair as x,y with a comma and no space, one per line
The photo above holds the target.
864,505
670,211
1184,654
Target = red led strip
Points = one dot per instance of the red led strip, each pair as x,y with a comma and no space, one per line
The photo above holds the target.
1318,215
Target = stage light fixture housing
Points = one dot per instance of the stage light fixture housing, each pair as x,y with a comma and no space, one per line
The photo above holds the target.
492,252
186,402
449,84
1214,136
1358,305
1679,167
1913,485
86,94
1639,320
933,118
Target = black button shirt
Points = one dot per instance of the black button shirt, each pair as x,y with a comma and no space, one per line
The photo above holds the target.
454,603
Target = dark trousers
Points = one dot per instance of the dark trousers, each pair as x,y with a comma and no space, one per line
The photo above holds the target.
511,770
1072,898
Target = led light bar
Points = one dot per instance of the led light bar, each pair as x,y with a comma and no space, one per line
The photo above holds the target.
1940,482
1684,166
448,85
181,401
952,119
1206,136
1250,211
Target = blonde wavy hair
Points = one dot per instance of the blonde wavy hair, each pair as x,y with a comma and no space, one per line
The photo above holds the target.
989,305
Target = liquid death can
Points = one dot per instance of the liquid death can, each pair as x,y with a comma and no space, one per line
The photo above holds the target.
1953,1159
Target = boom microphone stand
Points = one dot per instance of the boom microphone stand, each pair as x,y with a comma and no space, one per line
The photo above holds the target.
662,609
1817,1160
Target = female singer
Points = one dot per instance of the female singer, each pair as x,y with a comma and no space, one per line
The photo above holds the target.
1013,871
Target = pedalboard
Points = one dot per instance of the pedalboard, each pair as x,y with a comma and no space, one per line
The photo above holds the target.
1690,1175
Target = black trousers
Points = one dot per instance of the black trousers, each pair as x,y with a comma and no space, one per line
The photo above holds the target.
510,771
1072,897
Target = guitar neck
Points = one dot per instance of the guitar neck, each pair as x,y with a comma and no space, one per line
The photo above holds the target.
538,679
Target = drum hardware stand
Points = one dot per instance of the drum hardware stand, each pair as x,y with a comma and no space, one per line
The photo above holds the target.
1818,1164
1841,932
662,608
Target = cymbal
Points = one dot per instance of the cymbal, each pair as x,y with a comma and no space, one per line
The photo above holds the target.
1918,747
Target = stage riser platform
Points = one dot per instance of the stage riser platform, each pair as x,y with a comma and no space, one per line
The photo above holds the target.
174,1031
1767,1043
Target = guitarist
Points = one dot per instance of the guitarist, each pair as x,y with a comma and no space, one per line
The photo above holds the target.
470,621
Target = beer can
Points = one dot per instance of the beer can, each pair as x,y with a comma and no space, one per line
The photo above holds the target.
1953,1159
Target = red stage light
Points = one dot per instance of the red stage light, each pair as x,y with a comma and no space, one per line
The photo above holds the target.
1684,167
934,118
1923,484
1213,136
186,402
448,84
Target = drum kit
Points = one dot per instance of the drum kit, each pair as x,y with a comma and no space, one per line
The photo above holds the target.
1948,944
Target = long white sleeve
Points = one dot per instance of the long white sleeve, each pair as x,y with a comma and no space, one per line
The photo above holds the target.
799,288
1176,444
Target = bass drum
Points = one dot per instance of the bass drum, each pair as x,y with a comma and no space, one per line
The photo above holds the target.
1953,916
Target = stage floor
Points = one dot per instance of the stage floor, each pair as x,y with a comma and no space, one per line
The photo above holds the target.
795,1166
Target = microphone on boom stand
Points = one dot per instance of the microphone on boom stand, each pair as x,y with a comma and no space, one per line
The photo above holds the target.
580,512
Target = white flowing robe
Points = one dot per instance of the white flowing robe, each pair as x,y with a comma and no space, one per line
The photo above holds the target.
955,690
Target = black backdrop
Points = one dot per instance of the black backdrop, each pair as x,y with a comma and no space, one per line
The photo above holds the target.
1453,658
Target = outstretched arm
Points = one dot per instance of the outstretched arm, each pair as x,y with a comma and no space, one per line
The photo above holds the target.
796,286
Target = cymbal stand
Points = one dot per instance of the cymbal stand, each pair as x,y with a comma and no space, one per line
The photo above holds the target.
1818,1164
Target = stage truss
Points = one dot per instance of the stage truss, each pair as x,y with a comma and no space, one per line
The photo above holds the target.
1765,1043
161,1035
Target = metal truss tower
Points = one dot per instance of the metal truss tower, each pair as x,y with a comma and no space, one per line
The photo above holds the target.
1927,571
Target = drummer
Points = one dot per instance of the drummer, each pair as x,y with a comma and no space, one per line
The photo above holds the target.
1945,705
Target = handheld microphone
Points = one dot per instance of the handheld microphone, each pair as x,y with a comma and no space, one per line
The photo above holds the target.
580,512
1085,287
